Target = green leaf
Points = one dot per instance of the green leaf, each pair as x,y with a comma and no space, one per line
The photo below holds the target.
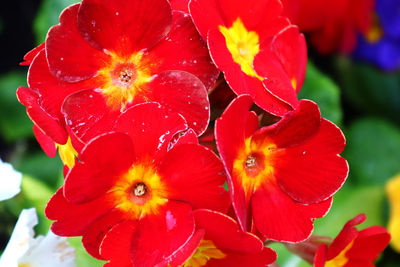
373,151
48,15
42,167
369,89
324,92
37,194
348,203
14,123
83,259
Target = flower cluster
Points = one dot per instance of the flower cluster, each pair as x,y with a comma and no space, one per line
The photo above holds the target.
120,88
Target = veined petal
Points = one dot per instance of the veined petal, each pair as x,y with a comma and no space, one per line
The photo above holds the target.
10,181
123,26
195,175
70,57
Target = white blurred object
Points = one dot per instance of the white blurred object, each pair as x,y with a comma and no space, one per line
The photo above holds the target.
44,251
10,181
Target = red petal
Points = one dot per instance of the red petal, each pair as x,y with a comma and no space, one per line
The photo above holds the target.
87,114
240,82
184,50
181,5
71,219
195,175
295,127
255,14
231,238
260,259
184,93
157,238
28,58
101,161
320,256
116,245
51,126
124,27
45,142
290,47
187,137
70,57
94,234
369,243
346,235
150,128
52,91
181,256
280,218
235,125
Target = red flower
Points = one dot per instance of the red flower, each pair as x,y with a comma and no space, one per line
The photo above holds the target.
353,248
258,51
218,241
282,176
333,25
132,182
124,53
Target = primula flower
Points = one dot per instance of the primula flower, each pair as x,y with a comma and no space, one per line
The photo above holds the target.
281,177
332,25
123,52
23,250
131,188
353,248
392,191
10,181
219,241
258,51
381,45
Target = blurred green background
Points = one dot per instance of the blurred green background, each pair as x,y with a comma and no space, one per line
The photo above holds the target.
362,100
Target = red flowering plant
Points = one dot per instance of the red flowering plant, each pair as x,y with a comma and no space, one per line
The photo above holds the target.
256,48
121,88
133,179
231,247
281,177
119,52
352,247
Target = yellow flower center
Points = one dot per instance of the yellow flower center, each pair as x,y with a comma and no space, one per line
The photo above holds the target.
124,78
341,259
24,265
243,45
253,164
67,153
139,192
392,190
206,251
375,33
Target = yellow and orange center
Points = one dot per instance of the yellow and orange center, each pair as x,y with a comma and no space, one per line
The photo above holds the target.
124,78
243,46
341,259
253,165
67,153
375,33
139,192
206,251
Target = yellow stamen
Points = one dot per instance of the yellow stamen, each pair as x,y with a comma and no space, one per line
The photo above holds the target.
139,192
124,78
375,33
206,251
253,164
243,45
